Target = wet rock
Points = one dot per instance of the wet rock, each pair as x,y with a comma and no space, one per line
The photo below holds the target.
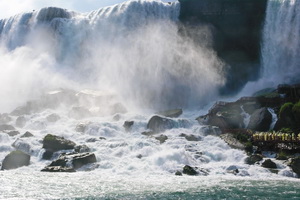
232,170
79,112
159,124
53,118
58,169
47,155
13,133
27,134
260,120
253,159
295,165
102,138
232,142
171,113
81,148
6,127
161,138
269,164
178,173
15,159
211,130
127,125
148,133
189,170
72,161
21,121
91,140
139,156
190,137
55,143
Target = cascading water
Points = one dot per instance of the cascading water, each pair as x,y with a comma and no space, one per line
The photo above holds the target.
281,42
128,54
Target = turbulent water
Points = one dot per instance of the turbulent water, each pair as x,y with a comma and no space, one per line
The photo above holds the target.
281,42
118,63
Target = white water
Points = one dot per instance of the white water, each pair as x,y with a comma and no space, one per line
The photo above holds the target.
132,55
281,42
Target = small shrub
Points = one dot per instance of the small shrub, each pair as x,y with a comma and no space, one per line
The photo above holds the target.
285,107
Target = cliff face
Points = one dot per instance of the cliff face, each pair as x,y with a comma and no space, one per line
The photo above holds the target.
236,27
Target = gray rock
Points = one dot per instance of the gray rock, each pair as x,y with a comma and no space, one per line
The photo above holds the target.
171,113
13,133
269,164
5,118
15,159
55,143
81,127
58,169
260,120
232,142
21,121
190,137
127,125
161,138
253,159
6,127
159,124
189,170
295,165
26,135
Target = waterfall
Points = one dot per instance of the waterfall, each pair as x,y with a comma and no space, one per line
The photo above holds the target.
134,49
281,42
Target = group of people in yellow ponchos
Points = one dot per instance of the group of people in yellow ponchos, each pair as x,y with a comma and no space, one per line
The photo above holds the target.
275,136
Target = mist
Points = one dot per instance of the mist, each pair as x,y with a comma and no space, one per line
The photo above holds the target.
135,50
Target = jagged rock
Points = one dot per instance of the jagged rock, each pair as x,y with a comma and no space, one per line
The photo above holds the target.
269,164
81,148
190,137
27,134
58,169
189,170
232,142
21,121
161,138
295,165
53,118
178,173
171,113
127,125
6,127
13,133
232,170
260,120
77,160
148,133
55,143
15,159
79,112
253,159
159,124
5,118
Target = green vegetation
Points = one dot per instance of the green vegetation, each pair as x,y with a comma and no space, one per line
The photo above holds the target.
296,108
286,107
286,130
49,137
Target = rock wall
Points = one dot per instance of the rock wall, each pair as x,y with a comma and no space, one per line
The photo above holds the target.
236,27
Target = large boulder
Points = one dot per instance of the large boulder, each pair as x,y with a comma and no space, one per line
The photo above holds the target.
127,125
189,170
71,162
56,143
269,164
171,113
260,120
15,159
159,124
232,141
295,165
21,121
253,159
